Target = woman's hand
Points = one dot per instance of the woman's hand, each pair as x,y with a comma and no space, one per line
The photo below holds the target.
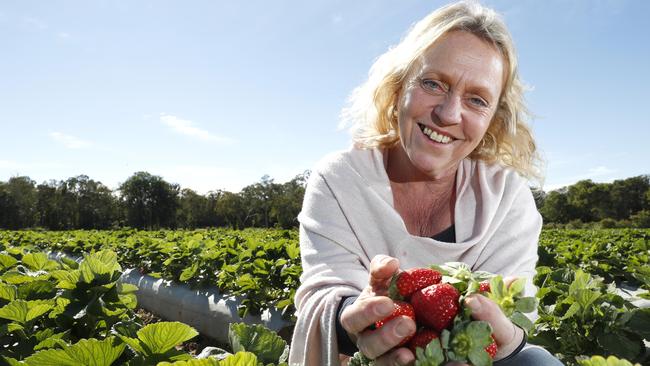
506,334
373,305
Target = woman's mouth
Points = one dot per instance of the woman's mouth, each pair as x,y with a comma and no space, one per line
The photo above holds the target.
434,136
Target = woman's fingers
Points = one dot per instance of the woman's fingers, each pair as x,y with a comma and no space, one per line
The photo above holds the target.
382,268
374,343
400,356
365,311
505,333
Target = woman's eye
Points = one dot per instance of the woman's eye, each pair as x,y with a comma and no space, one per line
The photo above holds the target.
431,85
479,102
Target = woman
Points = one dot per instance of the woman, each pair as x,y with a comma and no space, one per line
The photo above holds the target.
436,175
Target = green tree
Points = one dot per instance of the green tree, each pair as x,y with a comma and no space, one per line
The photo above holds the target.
18,203
556,207
590,201
628,196
287,205
149,201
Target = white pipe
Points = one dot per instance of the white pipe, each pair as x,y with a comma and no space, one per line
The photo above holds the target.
208,311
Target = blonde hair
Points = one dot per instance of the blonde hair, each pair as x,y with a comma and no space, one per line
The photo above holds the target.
371,106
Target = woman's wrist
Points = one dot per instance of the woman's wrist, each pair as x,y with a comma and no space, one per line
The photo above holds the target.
509,350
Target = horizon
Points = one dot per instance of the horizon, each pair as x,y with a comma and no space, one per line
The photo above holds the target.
214,96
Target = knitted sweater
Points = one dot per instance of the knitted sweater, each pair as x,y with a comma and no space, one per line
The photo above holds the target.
348,217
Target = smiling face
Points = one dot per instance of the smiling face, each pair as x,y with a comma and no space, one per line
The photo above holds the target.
447,103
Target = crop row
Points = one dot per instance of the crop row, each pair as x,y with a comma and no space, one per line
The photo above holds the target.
616,255
261,266
60,312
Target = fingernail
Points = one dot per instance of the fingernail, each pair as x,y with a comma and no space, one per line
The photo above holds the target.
385,260
474,304
403,329
383,309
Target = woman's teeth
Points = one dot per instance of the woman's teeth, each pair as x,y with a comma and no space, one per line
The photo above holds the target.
433,135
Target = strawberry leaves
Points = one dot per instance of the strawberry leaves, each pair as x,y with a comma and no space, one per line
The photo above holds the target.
511,302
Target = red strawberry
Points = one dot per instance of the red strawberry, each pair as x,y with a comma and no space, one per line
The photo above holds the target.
492,348
436,306
414,279
422,338
400,308
484,286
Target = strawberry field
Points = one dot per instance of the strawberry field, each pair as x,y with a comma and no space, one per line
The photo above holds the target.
592,300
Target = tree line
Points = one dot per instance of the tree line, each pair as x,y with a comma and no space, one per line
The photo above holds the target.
622,203
146,201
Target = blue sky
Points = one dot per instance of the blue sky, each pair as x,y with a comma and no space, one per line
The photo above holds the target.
215,94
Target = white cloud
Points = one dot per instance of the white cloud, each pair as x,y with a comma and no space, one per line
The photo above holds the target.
63,35
68,141
186,127
336,19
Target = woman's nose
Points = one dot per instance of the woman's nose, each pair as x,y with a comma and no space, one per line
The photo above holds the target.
448,111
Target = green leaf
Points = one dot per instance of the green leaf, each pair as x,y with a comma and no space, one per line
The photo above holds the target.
8,292
16,277
240,359
639,323
69,263
573,310
193,362
517,286
7,261
39,261
189,272
267,345
621,345
87,352
526,304
431,355
101,266
52,340
161,337
479,357
39,289
522,321
126,288
23,311
601,361
293,250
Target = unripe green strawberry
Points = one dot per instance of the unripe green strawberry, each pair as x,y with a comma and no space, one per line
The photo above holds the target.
411,280
422,338
401,308
436,306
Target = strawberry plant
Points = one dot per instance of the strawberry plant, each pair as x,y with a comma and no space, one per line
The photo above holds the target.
580,315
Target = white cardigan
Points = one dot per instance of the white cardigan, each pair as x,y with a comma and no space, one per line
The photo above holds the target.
348,217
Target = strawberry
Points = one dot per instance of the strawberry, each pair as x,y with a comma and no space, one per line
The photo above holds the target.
411,280
422,338
484,286
492,348
400,308
436,306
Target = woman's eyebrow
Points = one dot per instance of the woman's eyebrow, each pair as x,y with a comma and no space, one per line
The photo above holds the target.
475,87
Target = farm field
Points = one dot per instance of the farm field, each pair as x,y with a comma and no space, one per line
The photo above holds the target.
590,282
